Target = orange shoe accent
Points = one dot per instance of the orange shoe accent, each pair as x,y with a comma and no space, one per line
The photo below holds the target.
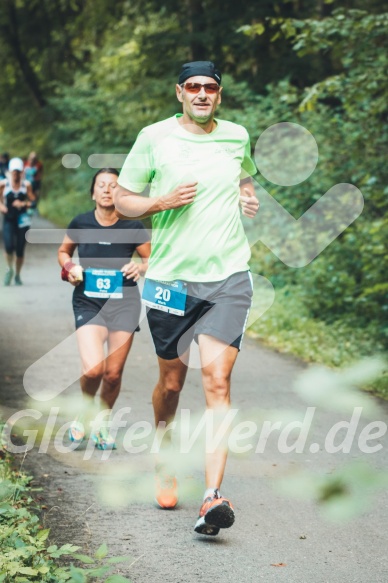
211,503
216,512
166,491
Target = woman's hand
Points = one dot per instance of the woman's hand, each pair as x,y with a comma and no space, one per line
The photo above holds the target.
18,204
72,273
75,275
132,270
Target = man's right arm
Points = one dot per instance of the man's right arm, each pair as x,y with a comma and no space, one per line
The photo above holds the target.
137,172
130,205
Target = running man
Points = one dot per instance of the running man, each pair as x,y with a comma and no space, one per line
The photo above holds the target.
198,282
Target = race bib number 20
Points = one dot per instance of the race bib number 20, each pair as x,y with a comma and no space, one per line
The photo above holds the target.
165,296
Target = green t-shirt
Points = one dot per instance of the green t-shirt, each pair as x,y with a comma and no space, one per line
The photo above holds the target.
204,241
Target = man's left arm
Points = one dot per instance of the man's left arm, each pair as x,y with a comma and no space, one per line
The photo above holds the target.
248,200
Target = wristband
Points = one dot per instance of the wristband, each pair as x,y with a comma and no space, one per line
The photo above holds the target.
68,265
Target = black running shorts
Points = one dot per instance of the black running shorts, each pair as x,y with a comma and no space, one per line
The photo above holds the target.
218,309
114,314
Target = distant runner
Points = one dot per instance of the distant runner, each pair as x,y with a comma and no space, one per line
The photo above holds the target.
198,284
106,300
16,198
4,161
33,171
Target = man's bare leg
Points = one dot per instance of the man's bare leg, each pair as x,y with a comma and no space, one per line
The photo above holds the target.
217,360
165,400
216,377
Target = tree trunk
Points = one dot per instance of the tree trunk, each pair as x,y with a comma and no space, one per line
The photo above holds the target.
13,40
196,27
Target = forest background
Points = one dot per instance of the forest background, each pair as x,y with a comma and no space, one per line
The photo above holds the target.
84,76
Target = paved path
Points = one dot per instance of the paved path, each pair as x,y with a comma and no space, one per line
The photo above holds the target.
90,501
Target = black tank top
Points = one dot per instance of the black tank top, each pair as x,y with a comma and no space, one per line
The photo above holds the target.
10,196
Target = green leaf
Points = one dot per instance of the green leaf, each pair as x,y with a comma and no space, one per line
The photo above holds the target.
77,576
44,570
68,549
52,548
259,28
5,508
84,559
101,552
6,489
99,572
43,534
27,571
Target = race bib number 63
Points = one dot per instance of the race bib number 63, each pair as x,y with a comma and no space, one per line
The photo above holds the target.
103,283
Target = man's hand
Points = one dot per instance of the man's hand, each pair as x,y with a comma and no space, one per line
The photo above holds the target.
249,203
131,205
181,195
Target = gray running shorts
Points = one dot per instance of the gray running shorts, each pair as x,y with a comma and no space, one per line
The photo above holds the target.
218,309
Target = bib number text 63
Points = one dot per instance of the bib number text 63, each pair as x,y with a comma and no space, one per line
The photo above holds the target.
103,283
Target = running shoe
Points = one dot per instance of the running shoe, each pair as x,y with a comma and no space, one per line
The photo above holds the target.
8,276
166,489
18,281
216,512
76,431
103,440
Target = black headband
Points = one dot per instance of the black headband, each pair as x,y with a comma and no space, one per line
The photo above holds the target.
196,68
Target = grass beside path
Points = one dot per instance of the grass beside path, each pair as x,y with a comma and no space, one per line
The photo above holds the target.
287,327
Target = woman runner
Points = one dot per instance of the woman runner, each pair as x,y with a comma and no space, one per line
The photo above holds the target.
106,300
16,197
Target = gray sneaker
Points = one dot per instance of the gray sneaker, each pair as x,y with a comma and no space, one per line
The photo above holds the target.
18,281
8,276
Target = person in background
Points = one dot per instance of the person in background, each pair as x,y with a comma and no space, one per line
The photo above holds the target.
106,300
33,170
16,197
4,161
